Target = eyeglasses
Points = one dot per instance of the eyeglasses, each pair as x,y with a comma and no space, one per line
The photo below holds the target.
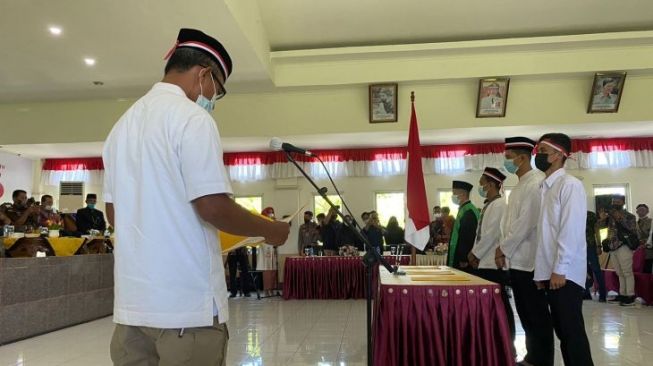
222,92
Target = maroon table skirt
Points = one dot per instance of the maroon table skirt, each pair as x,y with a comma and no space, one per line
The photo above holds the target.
441,325
643,284
327,277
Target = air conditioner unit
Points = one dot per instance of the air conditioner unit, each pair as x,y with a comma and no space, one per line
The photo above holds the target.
71,196
286,183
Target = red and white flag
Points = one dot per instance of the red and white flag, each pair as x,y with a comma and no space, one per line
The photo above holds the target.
417,225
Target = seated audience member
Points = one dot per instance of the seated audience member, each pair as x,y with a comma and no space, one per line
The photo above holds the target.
330,232
394,235
48,215
374,231
90,218
644,231
4,220
22,213
436,229
238,258
347,235
365,216
447,221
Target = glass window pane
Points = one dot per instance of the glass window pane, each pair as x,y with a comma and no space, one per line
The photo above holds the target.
251,203
391,204
444,196
321,206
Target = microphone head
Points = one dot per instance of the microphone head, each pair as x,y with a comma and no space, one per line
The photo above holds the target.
276,143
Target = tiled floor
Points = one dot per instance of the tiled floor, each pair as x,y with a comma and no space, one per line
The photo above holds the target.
277,332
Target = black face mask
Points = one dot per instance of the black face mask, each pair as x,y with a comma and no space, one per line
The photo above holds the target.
542,162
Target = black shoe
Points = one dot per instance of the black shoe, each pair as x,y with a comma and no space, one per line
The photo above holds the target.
248,295
602,299
232,296
587,296
616,300
628,301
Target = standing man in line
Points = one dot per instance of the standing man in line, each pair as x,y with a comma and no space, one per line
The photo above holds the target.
517,251
561,257
171,303
463,234
488,237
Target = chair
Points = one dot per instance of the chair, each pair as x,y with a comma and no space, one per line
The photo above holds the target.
28,247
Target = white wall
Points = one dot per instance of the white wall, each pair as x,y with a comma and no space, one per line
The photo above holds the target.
15,173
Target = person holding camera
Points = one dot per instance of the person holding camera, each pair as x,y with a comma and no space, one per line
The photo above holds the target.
23,212
621,243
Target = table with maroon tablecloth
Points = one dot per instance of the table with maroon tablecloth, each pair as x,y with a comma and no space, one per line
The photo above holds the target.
459,323
327,277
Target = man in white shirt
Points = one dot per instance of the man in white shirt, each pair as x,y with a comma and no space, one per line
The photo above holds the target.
488,236
561,257
171,303
517,251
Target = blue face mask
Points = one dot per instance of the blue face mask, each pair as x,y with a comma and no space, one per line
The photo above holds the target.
455,200
204,102
482,192
91,206
510,166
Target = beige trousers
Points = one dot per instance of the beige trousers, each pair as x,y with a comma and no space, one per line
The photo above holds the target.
143,346
622,260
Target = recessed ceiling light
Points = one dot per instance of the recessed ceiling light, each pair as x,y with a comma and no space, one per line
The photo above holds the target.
55,31
89,61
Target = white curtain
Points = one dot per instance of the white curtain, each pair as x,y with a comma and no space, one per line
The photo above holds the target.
54,177
444,166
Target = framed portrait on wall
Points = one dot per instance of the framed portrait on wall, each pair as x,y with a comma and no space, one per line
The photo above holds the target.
492,97
383,102
607,89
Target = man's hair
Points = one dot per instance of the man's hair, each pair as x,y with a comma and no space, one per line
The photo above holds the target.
559,139
45,197
320,215
185,58
436,207
17,193
446,209
365,214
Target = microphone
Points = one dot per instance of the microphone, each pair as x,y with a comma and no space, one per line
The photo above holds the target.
277,145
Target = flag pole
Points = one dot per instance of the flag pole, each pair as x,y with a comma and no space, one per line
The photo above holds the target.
413,250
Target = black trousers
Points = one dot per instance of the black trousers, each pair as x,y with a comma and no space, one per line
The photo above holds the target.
501,277
234,261
533,310
566,306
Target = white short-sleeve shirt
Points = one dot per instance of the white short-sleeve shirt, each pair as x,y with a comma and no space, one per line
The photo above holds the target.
163,153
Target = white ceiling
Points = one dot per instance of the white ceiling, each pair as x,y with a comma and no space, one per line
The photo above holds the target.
293,24
129,37
361,140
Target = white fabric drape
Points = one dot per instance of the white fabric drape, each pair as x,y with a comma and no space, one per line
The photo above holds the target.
55,177
443,166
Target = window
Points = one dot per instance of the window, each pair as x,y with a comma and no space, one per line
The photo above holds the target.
608,190
321,206
251,203
390,204
444,197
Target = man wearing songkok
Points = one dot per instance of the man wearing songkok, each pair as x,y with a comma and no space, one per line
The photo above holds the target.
561,256
89,217
517,251
488,235
463,234
167,191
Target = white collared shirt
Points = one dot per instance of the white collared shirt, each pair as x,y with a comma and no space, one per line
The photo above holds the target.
561,245
162,154
520,221
489,234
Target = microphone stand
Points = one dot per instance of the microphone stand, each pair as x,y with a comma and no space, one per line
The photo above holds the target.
370,259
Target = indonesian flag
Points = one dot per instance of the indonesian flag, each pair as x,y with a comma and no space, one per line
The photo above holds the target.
417,226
